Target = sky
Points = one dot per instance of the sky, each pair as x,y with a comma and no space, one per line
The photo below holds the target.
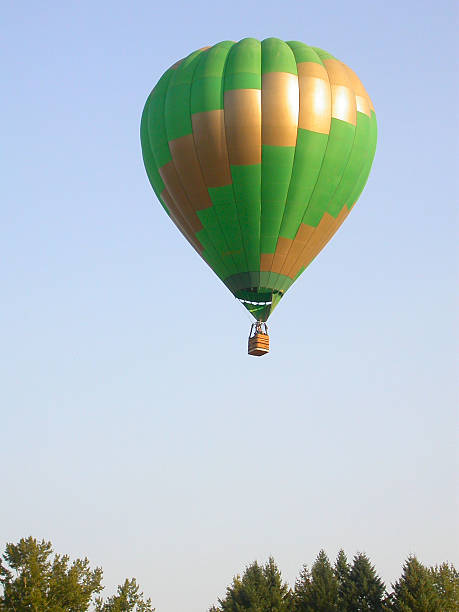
135,429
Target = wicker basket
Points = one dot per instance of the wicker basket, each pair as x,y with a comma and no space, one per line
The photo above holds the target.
259,345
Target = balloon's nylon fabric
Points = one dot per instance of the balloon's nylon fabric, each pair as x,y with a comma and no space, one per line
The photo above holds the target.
258,151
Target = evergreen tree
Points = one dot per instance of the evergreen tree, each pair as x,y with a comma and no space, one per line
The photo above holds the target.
279,596
34,579
127,599
415,591
366,592
446,583
259,590
317,591
31,580
342,567
343,576
302,587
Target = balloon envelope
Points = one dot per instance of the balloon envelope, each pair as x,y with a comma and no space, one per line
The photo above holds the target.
258,151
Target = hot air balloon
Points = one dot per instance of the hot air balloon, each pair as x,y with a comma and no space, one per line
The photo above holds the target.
258,151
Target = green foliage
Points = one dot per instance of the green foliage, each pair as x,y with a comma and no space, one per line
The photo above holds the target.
343,576
127,599
343,588
365,591
259,590
415,591
317,590
31,580
34,579
303,585
340,589
342,567
422,589
446,582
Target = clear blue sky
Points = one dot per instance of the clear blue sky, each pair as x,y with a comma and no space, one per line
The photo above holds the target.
135,428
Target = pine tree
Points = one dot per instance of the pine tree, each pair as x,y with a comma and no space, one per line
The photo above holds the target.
303,586
415,591
446,583
317,591
127,599
343,576
367,590
278,594
32,580
260,589
35,579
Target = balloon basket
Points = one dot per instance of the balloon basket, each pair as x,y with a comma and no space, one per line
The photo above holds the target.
258,339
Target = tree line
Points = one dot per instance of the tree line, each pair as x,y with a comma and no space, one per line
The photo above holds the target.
343,587
35,579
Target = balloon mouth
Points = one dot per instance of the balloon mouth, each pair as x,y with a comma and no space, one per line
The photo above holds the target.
260,302
256,294
256,303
